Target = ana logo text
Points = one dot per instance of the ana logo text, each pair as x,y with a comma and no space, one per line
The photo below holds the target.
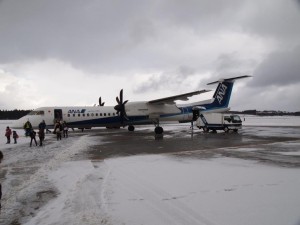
221,93
76,111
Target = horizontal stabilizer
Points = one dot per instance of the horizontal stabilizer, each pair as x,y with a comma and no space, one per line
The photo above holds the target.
183,97
232,79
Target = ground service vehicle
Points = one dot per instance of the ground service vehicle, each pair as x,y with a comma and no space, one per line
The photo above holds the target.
218,121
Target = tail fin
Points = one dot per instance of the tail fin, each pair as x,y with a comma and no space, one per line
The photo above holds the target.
223,92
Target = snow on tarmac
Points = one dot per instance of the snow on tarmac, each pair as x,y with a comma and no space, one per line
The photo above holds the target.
148,189
164,190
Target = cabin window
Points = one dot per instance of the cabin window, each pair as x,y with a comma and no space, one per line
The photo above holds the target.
96,114
114,114
92,114
83,114
88,114
104,114
73,115
100,114
108,114
34,112
78,115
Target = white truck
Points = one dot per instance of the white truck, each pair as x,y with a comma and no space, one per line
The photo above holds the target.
218,121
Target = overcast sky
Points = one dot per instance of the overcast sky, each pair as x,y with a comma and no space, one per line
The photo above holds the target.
70,52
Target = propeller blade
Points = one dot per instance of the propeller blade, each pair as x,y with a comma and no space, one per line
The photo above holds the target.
120,107
121,96
100,102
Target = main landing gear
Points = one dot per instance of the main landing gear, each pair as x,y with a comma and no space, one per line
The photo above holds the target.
158,130
130,128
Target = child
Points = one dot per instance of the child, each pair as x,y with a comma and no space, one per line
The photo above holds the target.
65,127
15,136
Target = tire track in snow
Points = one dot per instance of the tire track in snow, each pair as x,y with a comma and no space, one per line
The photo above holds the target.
173,211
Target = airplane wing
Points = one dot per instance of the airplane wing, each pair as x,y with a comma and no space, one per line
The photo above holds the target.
172,99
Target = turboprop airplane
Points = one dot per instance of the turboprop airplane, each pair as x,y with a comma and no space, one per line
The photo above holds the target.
134,113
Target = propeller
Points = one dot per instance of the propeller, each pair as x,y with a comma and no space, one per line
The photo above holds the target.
120,107
100,102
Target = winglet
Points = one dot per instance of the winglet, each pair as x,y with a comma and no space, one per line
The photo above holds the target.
232,79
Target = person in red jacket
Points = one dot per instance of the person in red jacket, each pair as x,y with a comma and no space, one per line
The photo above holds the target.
8,134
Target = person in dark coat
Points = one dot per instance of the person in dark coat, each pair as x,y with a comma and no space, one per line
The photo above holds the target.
65,129
15,136
8,134
1,157
32,135
58,129
41,136
42,125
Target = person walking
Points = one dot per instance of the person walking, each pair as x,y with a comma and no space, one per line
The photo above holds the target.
27,127
32,135
15,136
57,130
42,125
1,157
41,136
8,134
65,129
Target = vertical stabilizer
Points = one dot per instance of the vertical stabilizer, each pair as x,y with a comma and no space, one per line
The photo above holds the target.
222,94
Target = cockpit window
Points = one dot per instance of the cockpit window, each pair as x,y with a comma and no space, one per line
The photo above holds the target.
34,112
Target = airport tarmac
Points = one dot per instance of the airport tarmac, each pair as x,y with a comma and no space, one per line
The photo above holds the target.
197,144
94,177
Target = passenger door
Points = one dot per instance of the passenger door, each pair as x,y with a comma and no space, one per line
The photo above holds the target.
58,116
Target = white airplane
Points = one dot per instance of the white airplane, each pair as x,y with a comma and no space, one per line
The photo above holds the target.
134,113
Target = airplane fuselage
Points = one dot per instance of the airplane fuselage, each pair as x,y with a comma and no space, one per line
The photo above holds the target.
104,116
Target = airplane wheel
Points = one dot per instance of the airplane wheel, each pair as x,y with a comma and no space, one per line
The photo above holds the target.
235,130
131,128
205,129
158,130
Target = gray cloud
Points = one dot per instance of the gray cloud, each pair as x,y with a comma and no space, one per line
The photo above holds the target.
272,19
112,36
184,44
279,69
169,80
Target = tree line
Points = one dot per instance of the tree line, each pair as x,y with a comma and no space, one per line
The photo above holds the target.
13,114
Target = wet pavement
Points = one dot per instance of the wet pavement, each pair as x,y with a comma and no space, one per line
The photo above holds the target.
264,144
